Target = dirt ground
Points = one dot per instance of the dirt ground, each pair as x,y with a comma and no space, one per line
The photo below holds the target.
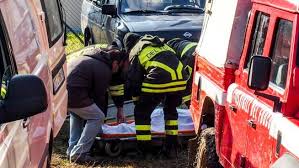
60,160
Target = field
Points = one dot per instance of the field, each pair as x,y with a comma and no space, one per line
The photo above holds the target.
60,160
74,43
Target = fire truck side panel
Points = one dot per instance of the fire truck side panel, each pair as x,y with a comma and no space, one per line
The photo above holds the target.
250,130
263,143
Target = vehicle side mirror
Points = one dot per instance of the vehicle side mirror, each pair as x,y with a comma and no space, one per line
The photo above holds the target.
26,96
259,73
109,10
97,2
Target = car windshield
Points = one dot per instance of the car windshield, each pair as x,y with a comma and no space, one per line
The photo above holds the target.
160,6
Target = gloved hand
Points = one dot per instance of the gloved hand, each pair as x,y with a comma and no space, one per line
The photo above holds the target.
135,99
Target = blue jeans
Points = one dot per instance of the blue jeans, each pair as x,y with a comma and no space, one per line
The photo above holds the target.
82,135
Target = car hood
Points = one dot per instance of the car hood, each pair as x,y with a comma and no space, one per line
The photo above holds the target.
147,23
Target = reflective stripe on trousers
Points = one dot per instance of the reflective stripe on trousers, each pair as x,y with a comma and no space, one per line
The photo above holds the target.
171,127
143,132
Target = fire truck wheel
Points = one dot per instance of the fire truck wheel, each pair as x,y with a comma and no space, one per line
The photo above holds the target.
206,153
192,146
113,149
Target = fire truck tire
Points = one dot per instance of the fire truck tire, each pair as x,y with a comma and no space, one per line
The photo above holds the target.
206,154
192,146
113,149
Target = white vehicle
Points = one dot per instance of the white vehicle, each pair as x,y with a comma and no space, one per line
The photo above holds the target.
32,68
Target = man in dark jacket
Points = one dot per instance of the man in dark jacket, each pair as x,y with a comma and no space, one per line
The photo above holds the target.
155,75
185,52
87,84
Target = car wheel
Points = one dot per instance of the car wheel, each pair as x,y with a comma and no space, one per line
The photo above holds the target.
113,149
206,153
50,151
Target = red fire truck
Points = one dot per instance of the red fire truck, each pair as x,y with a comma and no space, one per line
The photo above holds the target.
246,85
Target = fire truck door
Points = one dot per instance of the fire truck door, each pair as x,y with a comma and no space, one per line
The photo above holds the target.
260,148
238,105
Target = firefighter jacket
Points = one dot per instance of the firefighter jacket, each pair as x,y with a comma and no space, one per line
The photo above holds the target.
184,50
155,68
116,89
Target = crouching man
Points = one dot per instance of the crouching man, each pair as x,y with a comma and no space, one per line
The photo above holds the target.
87,83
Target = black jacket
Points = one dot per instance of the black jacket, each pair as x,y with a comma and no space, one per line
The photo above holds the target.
185,51
155,68
117,89
89,79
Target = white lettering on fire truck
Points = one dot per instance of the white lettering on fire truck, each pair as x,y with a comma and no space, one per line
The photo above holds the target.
265,116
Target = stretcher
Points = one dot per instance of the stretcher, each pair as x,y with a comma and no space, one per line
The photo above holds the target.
115,136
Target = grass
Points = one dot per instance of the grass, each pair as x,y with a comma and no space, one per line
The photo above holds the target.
60,160
73,43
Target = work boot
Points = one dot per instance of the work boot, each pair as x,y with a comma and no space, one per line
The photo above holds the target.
83,158
170,148
171,151
144,150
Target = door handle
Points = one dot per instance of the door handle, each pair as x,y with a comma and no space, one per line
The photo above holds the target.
252,124
233,108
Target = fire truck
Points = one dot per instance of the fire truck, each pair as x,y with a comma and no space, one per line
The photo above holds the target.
246,85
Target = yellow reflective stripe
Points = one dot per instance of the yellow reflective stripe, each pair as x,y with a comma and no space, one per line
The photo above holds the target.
117,93
186,98
135,98
149,52
190,69
179,70
117,87
171,122
163,66
164,85
3,93
143,127
144,137
163,90
187,48
171,132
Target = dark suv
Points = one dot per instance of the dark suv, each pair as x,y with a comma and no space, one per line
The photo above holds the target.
102,21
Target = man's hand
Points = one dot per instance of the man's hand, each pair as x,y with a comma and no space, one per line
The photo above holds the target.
135,99
120,115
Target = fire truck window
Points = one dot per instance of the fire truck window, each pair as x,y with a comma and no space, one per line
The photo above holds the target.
53,20
258,37
281,52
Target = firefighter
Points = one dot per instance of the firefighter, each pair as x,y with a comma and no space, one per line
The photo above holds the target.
87,85
185,52
116,88
155,75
